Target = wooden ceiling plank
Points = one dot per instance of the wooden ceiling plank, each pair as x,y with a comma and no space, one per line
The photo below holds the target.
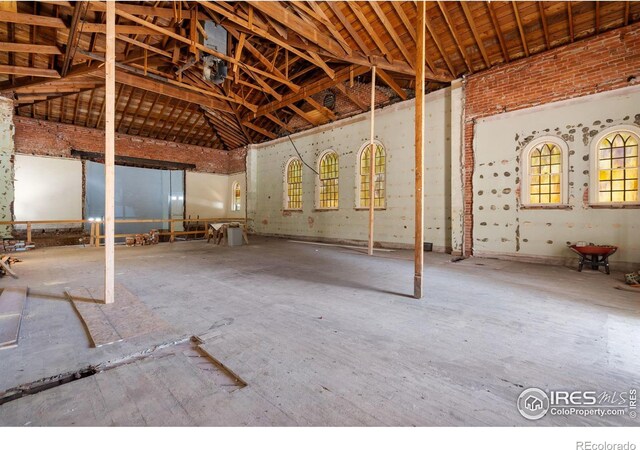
397,6
278,122
256,53
186,137
370,31
626,13
309,90
238,54
217,8
570,16
28,71
126,108
135,114
388,79
597,13
32,19
323,65
322,17
326,112
75,109
152,128
498,31
167,119
434,36
352,97
80,9
335,8
474,31
545,25
392,32
523,38
260,130
143,45
304,115
149,112
15,47
308,30
186,121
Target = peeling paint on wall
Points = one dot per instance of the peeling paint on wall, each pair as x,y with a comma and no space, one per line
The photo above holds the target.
543,233
7,151
394,224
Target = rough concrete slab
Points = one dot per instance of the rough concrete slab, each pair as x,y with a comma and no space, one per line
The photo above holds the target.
327,336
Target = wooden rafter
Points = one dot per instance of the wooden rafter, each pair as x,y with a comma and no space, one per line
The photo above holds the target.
523,38
498,30
476,35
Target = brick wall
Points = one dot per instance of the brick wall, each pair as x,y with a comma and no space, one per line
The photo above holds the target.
237,160
40,137
602,63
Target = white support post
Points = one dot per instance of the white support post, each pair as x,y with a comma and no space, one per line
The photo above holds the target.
109,155
372,159
419,151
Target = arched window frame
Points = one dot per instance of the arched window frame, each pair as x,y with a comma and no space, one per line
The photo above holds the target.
319,184
236,197
287,203
525,182
377,143
594,184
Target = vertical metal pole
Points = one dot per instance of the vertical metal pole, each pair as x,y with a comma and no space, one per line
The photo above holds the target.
372,159
419,152
109,155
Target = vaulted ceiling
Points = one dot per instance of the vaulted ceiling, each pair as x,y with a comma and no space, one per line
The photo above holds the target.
283,58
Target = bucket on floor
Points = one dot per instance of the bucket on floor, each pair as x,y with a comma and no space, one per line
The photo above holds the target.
428,246
234,236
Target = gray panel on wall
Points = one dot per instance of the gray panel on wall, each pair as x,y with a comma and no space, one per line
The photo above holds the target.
139,194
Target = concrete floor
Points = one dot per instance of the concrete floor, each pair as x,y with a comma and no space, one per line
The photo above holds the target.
322,336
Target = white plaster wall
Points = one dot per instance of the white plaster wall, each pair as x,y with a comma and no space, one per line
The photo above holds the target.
47,188
6,166
395,130
501,227
207,195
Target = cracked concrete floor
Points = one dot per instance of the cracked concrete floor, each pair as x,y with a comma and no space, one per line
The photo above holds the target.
322,336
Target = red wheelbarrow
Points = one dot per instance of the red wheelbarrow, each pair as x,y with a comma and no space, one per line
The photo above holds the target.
595,255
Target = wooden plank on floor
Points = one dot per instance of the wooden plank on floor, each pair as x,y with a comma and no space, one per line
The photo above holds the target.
109,323
12,301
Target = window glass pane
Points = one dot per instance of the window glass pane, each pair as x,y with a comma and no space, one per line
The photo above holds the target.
617,152
545,167
294,184
380,177
329,181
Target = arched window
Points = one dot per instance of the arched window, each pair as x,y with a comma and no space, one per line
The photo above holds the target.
616,167
294,184
545,174
379,178
328,188
236,201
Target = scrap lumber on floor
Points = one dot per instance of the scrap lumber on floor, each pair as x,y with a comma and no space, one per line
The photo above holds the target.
12,301
109,323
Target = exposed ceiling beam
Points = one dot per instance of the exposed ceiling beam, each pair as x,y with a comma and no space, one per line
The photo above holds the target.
392,84
476,35
29,71
523,38
29,48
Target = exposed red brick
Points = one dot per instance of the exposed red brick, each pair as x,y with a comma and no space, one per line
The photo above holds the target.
605,62
40,137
